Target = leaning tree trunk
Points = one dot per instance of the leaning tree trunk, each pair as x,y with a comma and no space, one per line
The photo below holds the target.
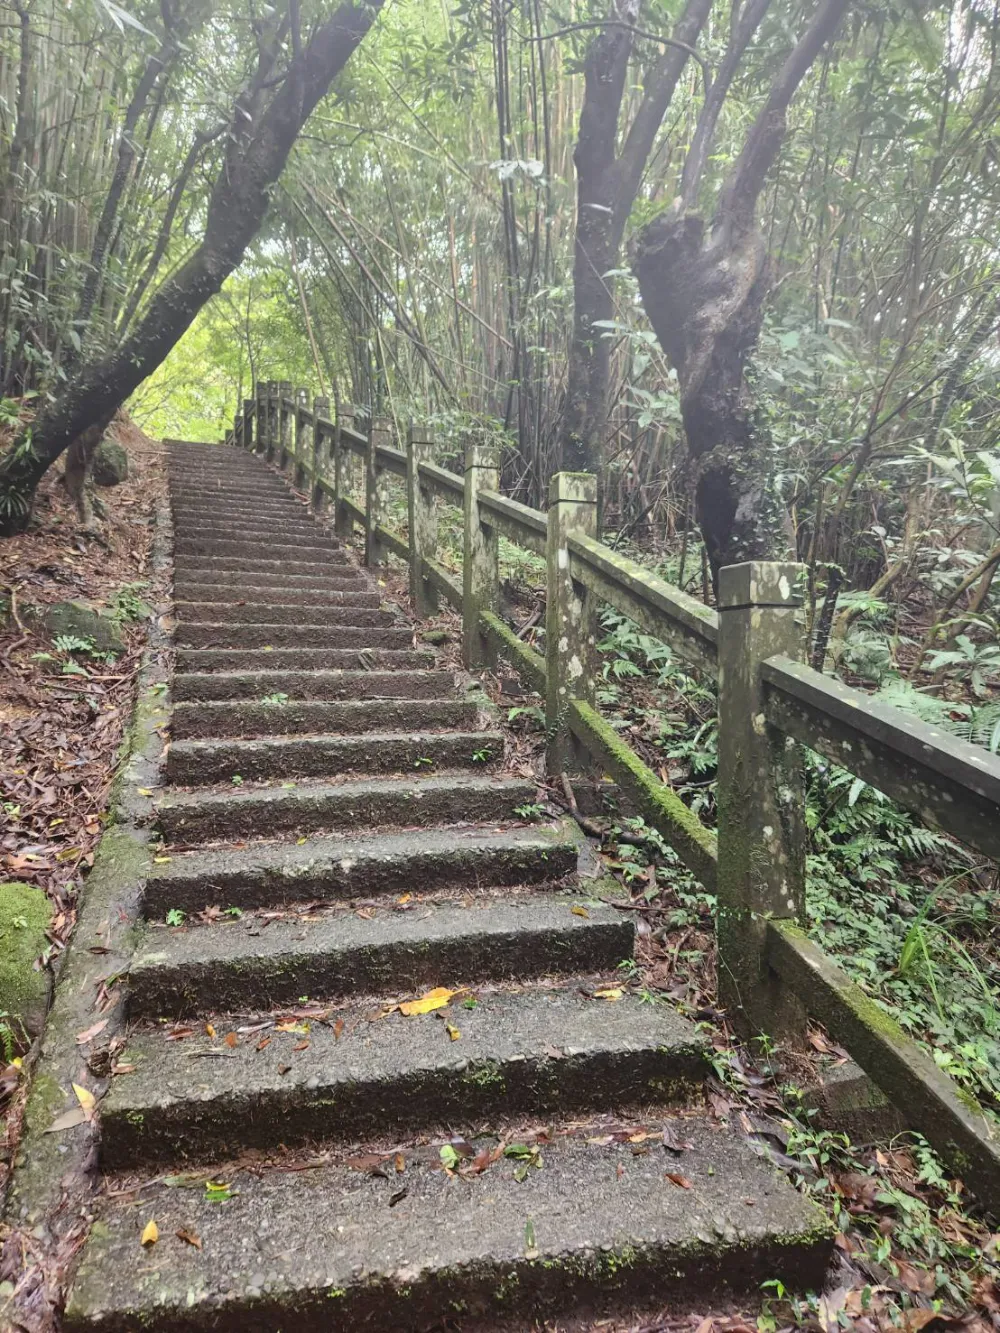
706,306
258,146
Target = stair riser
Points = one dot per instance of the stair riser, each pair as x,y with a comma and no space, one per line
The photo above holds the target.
494,1291
338,812
328,880
289,529
224,567
217,1128
235,515
215,613
297,659
314,554
237,599
314,685
189,585
189,721
318,757
257,983
290,636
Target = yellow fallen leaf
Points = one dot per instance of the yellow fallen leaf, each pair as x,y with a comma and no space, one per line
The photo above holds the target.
160,860
434,999
610,993
579,911
85,1097
301,842
209,1030
144,791
452,1031
150,1234
405,898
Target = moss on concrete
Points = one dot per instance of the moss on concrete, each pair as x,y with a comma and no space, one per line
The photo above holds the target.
24,990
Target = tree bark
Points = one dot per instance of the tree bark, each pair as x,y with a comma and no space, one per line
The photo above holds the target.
260,139
704,292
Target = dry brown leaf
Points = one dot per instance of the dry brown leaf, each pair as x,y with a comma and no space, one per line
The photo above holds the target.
231,1039
76,1115
188,1237
338,1029
677,1179
263,1043
301,1046
83,1037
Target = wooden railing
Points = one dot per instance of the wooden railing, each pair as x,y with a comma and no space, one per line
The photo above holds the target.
771,977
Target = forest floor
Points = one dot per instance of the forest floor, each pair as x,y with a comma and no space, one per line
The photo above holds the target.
63,711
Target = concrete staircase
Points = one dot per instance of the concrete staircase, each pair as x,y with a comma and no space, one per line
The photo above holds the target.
340,836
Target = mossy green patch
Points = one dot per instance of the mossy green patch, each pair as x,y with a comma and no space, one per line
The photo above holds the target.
24,918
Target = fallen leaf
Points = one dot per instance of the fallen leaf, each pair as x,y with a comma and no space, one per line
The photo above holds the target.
263,1043
398,1197
150,1234
301,1046
400,1162
554,1053
672,1141
609,993
579,911
407,897
530,1247
188,1237
144,791
452,1031
284,1069
83,1037
209,1030
291,1026
231,1039
434,999
88,1102
338,1029
76,1115
677,1179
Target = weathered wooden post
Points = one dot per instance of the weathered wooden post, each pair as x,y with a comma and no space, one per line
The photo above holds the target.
379,435
285,415
480,561
303,436
322,449
760,797
422,519
570,621
260,440
343,524
271,417
248,440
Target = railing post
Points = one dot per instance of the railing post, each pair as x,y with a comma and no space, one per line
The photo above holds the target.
260,438
284,424
570,621
422,519
321,455
271,417
248,437
480,563
303,436
760,798
343,525
379,434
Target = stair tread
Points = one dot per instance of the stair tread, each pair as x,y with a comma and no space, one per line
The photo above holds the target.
521,1051
451,1238
317,684
260,962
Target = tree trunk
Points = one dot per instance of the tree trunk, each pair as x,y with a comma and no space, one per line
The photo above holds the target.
257,149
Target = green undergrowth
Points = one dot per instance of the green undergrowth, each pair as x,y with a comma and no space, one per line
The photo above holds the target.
906,911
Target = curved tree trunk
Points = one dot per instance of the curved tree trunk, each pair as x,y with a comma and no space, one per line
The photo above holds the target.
261,137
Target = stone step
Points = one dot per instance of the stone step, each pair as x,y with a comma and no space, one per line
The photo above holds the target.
298,659
210,510
189,763
289,718
335,565
206,816
317,551
253,964
266,529
260,557
200,483
338,869
337,1247
526,1053
353,685
343,588
199,635
269,613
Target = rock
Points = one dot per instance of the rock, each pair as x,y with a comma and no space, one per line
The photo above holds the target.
435,637
84,622
110,466
24,992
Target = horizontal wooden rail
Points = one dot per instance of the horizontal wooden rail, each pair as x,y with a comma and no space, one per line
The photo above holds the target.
447,484
907,1075
944,780
517,522
688,626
